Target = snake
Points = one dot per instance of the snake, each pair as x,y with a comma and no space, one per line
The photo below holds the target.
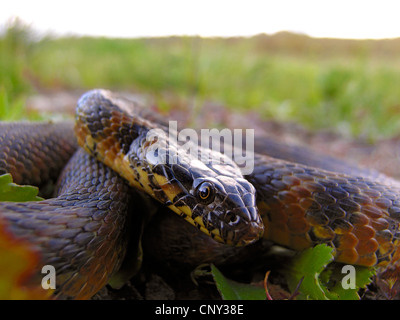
117,151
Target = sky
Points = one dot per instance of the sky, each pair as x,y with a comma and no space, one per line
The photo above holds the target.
353,19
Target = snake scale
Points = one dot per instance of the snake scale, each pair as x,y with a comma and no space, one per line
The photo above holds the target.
83,230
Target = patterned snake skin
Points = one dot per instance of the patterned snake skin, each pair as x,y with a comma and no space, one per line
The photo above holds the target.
82,231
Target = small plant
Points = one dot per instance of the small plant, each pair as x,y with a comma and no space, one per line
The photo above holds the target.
310,276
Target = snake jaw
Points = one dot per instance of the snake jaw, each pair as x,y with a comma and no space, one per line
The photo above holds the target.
242,226
232,218
241,232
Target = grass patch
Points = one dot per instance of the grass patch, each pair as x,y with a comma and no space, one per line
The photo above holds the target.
345,85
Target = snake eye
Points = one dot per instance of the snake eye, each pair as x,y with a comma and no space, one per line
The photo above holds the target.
205,192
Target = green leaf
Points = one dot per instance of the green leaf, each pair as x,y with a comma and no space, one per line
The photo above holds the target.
10,191
232,290
363,276
322,283
308,266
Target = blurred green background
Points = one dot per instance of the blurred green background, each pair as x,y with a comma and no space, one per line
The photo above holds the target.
350,86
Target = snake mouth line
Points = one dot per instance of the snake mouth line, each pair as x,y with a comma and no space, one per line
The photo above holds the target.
248,232
246,235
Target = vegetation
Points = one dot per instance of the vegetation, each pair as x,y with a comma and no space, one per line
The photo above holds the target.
310,275
345,85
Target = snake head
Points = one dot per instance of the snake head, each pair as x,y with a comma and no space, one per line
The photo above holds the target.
211,195
226,208
219,202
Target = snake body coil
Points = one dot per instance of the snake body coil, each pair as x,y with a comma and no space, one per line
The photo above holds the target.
83,230
303,206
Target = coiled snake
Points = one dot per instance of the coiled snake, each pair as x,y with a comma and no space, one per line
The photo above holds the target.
83,230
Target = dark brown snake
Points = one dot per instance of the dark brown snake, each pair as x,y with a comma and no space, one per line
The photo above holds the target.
83,230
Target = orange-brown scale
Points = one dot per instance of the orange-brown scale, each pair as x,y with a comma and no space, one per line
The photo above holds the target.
301,207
